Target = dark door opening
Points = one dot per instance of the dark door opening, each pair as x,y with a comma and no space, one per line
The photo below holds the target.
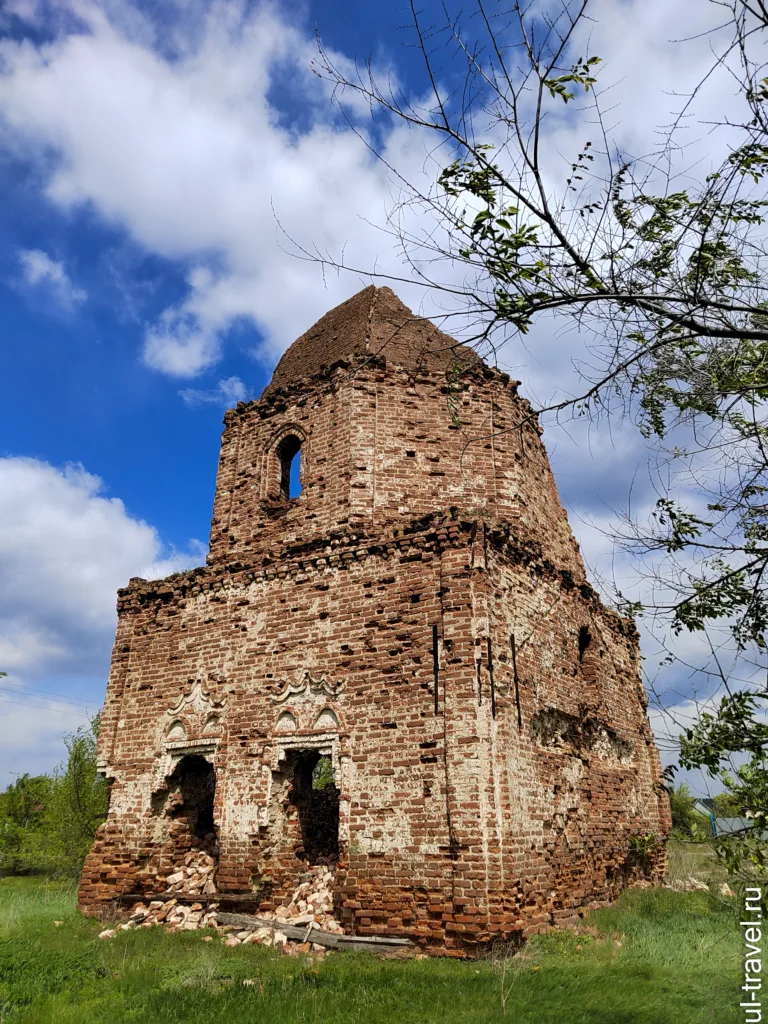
194,780
316,797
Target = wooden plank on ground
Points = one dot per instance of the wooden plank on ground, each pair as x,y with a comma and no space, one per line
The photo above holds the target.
180,897
375,943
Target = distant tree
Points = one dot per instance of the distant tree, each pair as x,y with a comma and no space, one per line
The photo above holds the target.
687,822
26,800
726,805
736,727
47,823
78,804
23,808
322,774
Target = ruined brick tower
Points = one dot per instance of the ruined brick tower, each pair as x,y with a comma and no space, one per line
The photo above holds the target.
419,616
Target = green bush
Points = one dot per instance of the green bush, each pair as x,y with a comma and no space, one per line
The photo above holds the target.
23,808
47,823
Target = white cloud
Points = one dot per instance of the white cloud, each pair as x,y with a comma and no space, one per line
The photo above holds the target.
175,561
24,10
180,143
39,269
228,392
190,157
65,548
32,727
172,133
31,737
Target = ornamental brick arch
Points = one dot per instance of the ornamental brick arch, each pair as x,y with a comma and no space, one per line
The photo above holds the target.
422,613
328,719
287,722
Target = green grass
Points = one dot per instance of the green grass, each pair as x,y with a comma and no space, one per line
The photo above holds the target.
655,957
697,859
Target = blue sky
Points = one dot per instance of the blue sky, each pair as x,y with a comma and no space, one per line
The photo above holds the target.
85,396
150,158
90,426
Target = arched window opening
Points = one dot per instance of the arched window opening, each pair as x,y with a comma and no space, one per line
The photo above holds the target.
289,456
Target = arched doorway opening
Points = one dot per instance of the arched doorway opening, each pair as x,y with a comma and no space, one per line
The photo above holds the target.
315,796
192,791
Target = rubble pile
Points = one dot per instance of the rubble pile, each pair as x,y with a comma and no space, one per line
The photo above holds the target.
311,903
195,878
175,916
690,884
309,906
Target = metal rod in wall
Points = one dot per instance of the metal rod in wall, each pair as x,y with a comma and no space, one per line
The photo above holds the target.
435,667
517,681
490,676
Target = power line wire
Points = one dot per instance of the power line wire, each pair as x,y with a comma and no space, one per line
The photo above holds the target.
48,693
36,707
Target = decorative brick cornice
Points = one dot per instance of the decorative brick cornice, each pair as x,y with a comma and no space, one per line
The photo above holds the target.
364,368
422,538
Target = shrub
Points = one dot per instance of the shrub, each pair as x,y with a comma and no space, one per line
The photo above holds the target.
47,823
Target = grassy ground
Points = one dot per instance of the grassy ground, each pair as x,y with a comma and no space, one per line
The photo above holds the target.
655,957
697,859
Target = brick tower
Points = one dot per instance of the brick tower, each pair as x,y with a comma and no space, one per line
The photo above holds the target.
418,620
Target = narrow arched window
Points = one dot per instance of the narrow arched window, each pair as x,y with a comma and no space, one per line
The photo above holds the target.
289,457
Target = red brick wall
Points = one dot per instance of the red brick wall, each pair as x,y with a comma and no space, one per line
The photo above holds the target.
384,447
454,827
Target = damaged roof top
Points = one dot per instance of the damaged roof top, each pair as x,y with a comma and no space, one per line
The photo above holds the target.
373,322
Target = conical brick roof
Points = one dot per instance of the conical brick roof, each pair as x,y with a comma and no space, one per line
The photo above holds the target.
373,322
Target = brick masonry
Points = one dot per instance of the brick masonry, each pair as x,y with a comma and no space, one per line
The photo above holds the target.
499,806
